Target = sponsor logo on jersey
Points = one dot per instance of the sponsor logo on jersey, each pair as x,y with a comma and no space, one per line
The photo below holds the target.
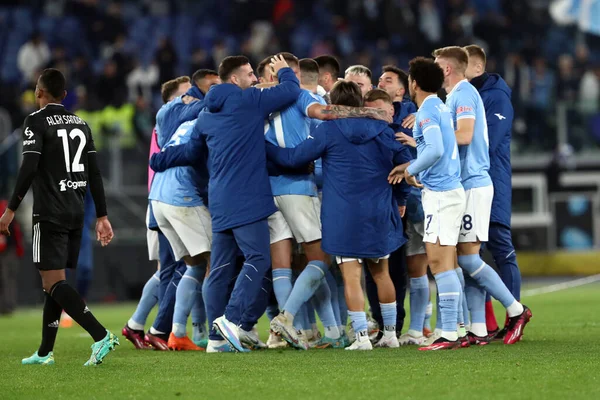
64,184
426,120
463,109
28,133
28,142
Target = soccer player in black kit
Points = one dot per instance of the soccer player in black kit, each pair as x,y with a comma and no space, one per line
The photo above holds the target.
59,160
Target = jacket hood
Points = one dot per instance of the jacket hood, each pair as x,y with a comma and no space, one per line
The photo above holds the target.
495,81
218,94
360,130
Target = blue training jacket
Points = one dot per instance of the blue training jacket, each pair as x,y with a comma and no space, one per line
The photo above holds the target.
359,214
231,127
499,113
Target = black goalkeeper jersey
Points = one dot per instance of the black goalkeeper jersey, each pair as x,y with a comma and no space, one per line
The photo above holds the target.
63,141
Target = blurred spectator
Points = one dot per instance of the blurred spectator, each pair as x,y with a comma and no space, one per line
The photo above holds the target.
568,83
166,59
539,102
143,121
141,80
200,60
32,56
589,92
110,87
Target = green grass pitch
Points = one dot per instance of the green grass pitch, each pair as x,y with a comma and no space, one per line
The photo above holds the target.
559,358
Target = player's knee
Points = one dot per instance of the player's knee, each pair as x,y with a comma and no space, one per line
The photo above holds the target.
470,263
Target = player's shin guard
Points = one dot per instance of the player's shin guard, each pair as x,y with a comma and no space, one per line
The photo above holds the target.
419,297
305,286
463,310
487,278
449,294
282,285
50,322
187,290
322,303
147,302
74,305
199,317
389,313
475,296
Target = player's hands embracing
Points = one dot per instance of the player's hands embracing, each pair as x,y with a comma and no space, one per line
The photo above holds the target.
104,231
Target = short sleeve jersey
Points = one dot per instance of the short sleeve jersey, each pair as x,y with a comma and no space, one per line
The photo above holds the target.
63,141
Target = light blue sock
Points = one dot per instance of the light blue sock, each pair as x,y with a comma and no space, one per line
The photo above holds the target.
331,282
322,303
282,285
306,284
199,331
438,314
463,310
476,301
388,313
489,280
147,302
449,292
359,324
185,297
428,313
419,297
337,274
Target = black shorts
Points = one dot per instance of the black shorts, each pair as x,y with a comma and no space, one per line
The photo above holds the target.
55,247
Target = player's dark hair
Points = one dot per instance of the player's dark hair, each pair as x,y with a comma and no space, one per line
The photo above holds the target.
475,51
203,73
426,73
346,93
229,65
260,69
329,64
53,82
456,54
169,87
402,76
309,71
378,94
289,57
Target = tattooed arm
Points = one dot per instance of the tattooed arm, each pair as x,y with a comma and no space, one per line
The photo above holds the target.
333,111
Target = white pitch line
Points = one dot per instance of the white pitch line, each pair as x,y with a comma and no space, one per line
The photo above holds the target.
561,286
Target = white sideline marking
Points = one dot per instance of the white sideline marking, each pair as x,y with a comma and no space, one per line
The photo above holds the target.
561,286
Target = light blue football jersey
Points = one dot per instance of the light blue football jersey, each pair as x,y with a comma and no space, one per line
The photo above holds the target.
444,175
288,128
465,102
180,186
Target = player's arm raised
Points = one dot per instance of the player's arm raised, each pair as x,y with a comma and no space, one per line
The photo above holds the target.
333,111
32,150
279,96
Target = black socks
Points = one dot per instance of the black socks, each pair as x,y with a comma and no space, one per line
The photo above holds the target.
50,321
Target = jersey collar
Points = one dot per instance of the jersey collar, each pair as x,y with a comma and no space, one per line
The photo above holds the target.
431,96
457,85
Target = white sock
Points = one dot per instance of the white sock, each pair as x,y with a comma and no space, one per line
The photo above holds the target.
179,330
479,329
155,332
332,332
451,336
415,334
134,325
437,332
514,309
216,343
342,329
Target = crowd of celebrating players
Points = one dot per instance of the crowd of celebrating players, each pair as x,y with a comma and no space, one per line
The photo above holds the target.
292,194
271,194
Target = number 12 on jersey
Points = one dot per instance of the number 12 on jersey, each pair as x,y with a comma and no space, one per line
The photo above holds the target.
76,166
